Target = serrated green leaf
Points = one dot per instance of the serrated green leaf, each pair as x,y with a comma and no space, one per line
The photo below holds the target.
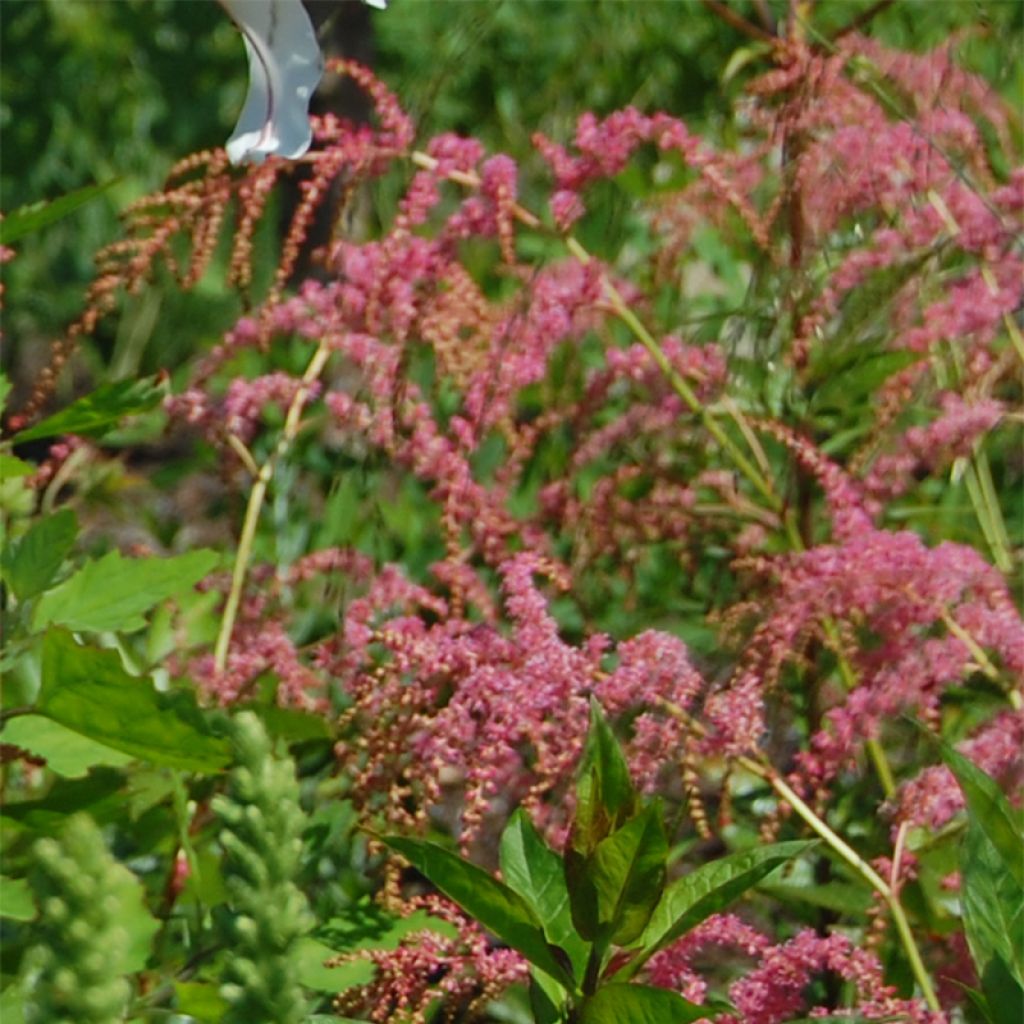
638,1004
494,905
112,594
16,900
66,752
30,565
35,216
88,691
531,868
708,890
95,413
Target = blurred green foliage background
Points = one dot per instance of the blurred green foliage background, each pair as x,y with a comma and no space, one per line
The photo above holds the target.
95,90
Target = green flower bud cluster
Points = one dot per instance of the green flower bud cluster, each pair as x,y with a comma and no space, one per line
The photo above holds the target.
262,825
75,972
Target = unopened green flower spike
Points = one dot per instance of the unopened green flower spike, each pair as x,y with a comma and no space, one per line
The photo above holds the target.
75,972
262,826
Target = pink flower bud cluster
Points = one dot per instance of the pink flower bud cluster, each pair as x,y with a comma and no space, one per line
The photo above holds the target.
775,989
457,708
468,971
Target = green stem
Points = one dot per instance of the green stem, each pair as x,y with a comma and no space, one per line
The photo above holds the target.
990,502
678,382
842,849
866,871
255,505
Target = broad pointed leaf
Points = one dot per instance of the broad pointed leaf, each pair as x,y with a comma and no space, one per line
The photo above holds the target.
989,810
627,871
531,868
638,1004
605,796
494,905
709,890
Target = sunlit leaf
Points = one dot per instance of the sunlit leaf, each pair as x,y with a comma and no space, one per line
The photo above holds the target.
112,594
66,752
88,691
494,905
95,413
709,890
638,1004
532,869
30,565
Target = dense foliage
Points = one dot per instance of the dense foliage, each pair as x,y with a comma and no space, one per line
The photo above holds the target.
582,588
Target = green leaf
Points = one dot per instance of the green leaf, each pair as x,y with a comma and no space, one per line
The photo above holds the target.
992,872
88,691
1003,993
638,1004
112,594
548,999
29,565
532,869
615,890
841,897
989,810
140,924
605,797
16,899
310,971
992,904
105,407
492,904
66,752
708,890
11,467
26,220
12,1003
200,999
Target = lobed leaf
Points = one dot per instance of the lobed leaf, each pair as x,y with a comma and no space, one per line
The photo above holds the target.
112,594
30,565
65,751
88,691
